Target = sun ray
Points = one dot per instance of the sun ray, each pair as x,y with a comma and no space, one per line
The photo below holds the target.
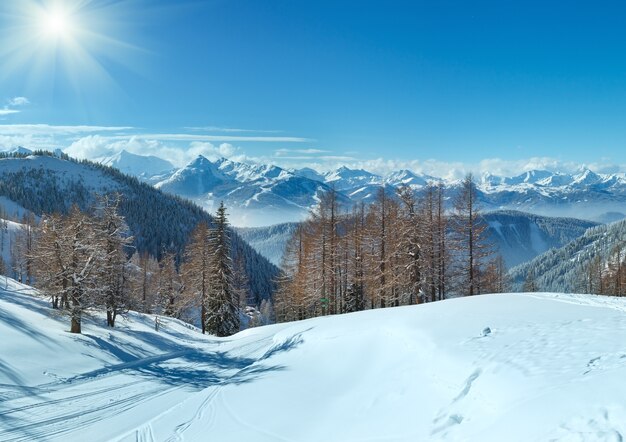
67,45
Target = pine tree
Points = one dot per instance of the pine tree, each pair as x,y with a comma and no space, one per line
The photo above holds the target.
222,315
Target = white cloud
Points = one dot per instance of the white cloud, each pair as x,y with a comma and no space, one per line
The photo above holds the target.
287,152
231,129
209,150
7,111
98,146
29,141
19,101
47,129
218,138
91,142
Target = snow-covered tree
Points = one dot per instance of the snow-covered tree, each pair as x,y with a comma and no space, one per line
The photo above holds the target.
114,272
67,258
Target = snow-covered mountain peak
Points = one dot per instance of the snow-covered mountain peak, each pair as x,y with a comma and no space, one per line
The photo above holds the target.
197,178
311,174
489,179
142,166
556,180
263,190
245,173
200,162
529,177
346,178
408,178
17,150
587,178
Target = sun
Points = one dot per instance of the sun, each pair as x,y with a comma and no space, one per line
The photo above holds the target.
74,47
57,24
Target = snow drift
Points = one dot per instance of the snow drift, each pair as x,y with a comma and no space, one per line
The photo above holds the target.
513,367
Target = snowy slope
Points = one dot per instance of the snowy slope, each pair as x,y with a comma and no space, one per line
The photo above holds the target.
141,166
488,368
16,150
269,241
8,231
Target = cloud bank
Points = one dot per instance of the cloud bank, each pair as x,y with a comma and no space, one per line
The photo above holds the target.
94,142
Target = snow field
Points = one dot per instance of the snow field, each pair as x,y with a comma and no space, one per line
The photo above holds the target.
514,367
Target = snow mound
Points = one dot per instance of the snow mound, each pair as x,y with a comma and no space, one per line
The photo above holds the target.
512,367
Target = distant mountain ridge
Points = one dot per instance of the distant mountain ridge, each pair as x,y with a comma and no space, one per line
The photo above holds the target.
264,194
141,166
519,237
565,269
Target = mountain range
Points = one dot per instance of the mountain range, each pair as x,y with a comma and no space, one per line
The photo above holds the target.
264,194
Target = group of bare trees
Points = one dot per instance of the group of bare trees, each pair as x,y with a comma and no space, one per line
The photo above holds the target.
80,261
606,276
401,249
85,262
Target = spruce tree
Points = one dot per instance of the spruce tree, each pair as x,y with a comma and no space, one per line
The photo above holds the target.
222,315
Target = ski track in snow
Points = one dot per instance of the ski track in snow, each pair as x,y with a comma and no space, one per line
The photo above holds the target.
71,405
502,367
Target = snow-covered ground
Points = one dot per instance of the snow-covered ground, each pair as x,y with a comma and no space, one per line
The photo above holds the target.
515,367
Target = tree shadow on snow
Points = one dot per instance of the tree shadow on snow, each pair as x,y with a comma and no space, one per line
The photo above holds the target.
179,365
23,327
36,304
8,420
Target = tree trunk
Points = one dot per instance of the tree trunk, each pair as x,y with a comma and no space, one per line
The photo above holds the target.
111,316
203,318
76,326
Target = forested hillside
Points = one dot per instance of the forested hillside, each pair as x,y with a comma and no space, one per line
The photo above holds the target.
520,236
582,265
158,222
269,241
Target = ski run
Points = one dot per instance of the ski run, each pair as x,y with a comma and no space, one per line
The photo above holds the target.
514,367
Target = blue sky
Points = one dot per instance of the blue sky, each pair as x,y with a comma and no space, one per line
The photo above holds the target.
499,85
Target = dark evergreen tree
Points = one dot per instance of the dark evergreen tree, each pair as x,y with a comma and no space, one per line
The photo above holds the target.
222,316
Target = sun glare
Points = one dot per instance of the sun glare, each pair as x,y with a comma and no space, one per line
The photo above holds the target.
71,44
57,24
